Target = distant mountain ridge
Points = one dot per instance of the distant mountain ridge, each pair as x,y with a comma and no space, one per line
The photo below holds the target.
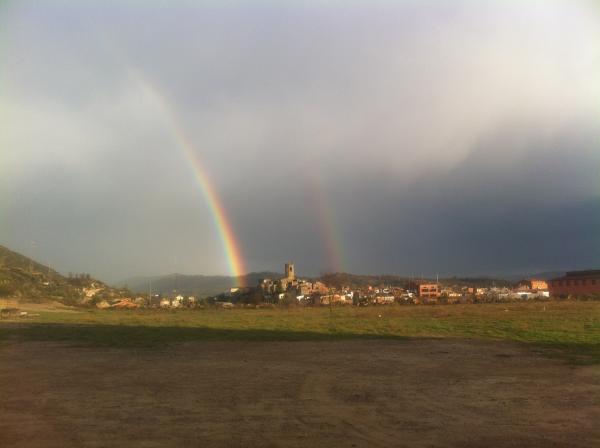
545,275
196,285
340,279
210,285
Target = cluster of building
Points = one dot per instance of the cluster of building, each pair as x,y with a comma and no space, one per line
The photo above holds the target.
422,292
178,301
290,287
292,290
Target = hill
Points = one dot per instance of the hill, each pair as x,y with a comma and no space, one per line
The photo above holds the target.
546,275
25,279
340,279
210,285
195,285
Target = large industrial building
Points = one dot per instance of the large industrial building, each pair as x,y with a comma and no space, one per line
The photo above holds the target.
576,283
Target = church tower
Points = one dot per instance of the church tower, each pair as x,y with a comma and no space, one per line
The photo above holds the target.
289,271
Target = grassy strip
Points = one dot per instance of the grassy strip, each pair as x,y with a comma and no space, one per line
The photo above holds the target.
567,329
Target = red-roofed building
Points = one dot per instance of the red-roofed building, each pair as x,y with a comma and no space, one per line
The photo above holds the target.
576,282
429,290
532,283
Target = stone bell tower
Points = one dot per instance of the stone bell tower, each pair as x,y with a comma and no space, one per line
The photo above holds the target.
289,271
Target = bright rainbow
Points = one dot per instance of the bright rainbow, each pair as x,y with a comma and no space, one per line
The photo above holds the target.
224,228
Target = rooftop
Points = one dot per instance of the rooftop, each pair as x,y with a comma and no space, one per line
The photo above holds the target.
579,274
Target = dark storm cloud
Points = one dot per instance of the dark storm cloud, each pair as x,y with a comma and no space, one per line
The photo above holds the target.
441,137
502,210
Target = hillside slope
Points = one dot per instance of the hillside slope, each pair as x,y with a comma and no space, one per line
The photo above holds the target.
24,279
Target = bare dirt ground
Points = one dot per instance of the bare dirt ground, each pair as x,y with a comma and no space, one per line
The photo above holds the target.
417,393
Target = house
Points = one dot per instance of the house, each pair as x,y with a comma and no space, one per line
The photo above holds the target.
532,283
575,283
429,290
177,302
155,300
125,304
330,299
92,290
267,286
524,294
384,299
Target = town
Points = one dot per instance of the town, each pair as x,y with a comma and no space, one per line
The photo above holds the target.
291,290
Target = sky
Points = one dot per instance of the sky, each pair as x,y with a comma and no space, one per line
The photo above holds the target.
400,137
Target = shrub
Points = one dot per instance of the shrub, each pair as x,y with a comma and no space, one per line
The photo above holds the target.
7,289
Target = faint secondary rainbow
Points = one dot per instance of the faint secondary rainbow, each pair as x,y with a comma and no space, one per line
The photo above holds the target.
327,224
231,247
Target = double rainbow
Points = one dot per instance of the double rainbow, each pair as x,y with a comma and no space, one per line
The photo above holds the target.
235,261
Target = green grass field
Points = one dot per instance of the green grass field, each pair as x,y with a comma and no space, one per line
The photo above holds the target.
569,329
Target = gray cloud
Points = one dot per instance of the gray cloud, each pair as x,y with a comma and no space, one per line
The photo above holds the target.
452,138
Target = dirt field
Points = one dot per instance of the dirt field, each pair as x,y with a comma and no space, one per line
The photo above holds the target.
419,392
